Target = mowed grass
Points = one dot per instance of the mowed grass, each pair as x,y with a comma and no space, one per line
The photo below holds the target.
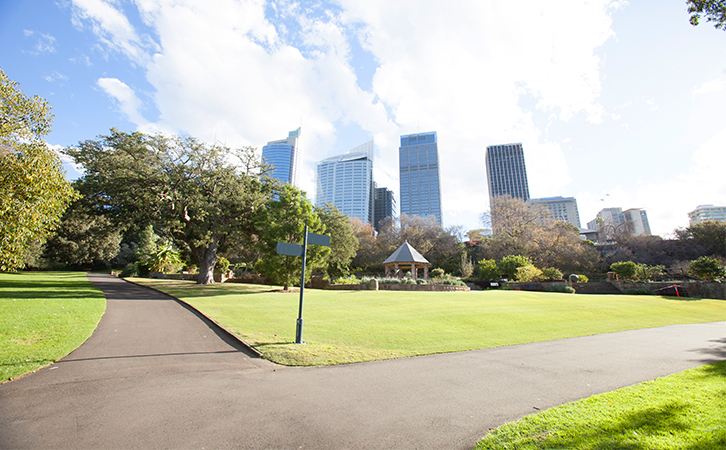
681,411
43,317
353,326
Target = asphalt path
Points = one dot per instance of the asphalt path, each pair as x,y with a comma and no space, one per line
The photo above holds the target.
155,374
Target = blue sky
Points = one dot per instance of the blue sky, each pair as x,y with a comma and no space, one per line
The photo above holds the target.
616,103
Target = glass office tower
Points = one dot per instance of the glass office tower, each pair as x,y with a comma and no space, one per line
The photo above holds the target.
346,182
384,205
418,159
283,155
506,171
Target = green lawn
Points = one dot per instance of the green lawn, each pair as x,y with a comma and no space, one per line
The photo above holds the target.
43,317
682,411
352,326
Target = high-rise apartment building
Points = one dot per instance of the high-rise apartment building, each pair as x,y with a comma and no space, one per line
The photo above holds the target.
384,205
345,181
617,223
419,175
284,156
560,208
506,172
707,212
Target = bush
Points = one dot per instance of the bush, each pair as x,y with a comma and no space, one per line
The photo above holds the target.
528,273
437,273
389,281
222,265
560,288
551,273
346,281
625,269
582,279
509,264
421,281
130,270
707,268
450,282
488,269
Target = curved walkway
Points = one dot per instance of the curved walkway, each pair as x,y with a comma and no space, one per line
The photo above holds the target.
154,375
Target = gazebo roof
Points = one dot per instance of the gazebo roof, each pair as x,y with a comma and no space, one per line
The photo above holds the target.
406,254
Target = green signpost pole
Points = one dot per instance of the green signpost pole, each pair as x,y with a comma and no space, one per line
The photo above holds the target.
299,330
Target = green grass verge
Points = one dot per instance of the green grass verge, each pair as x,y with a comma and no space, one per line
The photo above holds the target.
681,411
353,326
43,317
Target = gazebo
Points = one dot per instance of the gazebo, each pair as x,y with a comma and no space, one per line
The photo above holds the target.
406,257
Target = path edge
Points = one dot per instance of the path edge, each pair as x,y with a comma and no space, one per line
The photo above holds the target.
204,317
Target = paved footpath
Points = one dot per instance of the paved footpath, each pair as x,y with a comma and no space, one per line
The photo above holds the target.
155,375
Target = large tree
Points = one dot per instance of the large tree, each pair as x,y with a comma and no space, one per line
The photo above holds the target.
712,10
524,229
283,220
84,240
201,195
343,243
33,189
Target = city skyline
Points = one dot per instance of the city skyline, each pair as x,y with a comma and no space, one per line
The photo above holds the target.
615,103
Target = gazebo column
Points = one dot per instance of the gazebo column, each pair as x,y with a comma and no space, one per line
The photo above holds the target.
413,270
426,272
399,273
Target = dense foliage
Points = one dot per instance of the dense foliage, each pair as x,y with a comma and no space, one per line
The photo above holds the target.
33,190
202,196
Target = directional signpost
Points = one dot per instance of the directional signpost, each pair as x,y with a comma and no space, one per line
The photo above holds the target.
284,248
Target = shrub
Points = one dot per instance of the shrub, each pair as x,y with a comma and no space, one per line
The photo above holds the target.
437,273
560,288
624,269
509,264
707,268
164,259
488,269
450,282
528,273
421,281
346,281
551,273
389,281
582,279
130,270
222,265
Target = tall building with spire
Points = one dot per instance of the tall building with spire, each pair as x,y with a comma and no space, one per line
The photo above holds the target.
506,172
418,159
284,157
346,181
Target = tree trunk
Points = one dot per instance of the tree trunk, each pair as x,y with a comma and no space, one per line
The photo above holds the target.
207,256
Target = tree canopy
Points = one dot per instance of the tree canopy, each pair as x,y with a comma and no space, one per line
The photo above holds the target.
712,10
201,195
283,219
34,192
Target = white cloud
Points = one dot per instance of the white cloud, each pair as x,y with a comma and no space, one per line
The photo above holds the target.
719,84
224,69
126,99
113,29
45,43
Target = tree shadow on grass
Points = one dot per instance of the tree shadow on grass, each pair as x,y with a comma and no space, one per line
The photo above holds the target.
38,289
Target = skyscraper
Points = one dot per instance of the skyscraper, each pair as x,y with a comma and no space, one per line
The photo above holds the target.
419,175
384,205
506,171
560,208
346,182
283,155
